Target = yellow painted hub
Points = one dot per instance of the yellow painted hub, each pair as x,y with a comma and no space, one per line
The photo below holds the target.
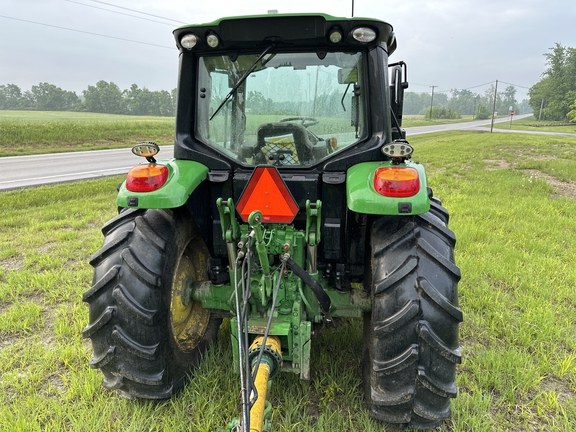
189,323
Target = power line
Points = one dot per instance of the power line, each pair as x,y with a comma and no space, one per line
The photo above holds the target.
86,32
418,84
467,88
137,11
120,13
481,85
515,85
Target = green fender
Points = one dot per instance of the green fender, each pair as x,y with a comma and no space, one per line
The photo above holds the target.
183,177
362,197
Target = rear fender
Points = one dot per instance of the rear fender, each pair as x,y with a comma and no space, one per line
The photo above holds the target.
183,177
361,196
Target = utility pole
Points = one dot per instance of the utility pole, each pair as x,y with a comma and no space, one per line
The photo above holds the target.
494,106
432,101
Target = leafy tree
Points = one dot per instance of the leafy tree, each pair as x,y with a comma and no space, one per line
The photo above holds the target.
442,113
556,91
260,104
416,103
572,113
141,101
104,98
482,112
131,99
10,97
419,103
174,96
48,97
165,104
524,107
508,100
462,101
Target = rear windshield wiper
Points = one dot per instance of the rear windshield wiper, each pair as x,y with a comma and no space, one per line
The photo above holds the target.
240,81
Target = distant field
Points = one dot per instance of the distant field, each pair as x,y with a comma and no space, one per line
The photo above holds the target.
34,132
512,200
37,132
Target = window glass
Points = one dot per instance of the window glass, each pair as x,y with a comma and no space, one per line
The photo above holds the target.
289,109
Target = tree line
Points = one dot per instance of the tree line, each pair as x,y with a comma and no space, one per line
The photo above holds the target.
464,102
104,97
107,97
554,96
460,102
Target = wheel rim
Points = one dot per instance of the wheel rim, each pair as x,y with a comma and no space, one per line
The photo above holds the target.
188,323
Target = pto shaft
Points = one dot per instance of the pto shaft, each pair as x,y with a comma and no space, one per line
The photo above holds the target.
261,384
269,365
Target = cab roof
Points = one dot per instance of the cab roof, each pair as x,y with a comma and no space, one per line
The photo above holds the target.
285,30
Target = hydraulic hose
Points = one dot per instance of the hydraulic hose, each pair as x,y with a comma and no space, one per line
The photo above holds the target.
321,296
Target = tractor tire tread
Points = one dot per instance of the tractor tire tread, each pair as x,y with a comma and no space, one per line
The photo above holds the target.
411,336
128,324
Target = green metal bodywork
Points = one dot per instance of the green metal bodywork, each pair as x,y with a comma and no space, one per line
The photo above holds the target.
327,17
297,307
301,29
363,198
183,177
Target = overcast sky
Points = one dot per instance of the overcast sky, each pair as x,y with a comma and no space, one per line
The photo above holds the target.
448,44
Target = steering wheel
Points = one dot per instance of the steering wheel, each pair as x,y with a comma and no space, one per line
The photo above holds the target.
304,121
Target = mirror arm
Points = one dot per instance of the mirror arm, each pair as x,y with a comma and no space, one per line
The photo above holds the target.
344,95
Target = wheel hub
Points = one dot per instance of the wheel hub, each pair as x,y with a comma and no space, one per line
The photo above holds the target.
189,321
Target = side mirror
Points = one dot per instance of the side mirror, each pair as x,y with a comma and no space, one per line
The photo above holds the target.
347,75
398,83
396,79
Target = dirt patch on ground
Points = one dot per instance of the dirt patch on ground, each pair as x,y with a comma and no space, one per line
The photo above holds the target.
12,264
552,384
493,164
561,188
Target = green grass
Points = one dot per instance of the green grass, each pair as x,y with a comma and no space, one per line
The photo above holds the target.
512,209
532,124
36,132
420,120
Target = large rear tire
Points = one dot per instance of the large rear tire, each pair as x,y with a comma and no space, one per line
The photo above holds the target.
411,336
145,341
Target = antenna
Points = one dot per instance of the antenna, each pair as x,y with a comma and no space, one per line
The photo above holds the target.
352,8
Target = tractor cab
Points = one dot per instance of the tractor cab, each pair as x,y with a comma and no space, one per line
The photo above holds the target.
296,92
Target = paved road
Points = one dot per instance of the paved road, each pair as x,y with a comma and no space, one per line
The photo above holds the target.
25,171
478,124
18,172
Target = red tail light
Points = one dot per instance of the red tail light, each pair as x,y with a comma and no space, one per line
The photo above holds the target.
396,182
146,178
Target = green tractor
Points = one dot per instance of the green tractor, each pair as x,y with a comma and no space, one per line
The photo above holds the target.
291,201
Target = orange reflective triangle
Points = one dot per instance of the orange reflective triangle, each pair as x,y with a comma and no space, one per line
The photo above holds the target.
267,192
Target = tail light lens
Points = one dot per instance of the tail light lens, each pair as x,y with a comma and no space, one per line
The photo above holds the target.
146,178
396,182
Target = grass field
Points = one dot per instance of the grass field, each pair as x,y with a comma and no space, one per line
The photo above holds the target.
531,124
36,132
512,200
